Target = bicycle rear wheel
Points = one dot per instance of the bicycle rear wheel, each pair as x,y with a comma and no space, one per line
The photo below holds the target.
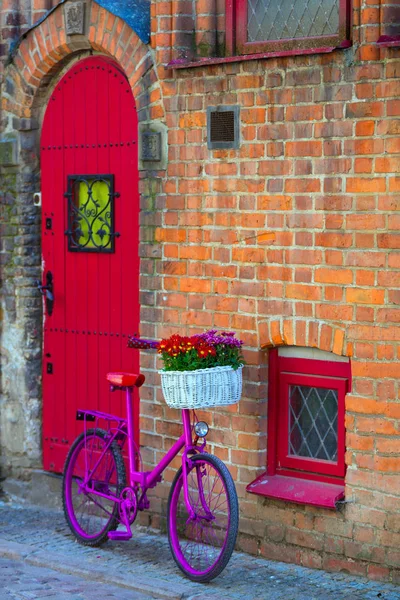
202,544
89,515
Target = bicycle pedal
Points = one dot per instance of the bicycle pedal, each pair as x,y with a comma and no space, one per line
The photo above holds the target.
119,535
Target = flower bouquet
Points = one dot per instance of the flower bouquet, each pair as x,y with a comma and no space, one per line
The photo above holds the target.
201,371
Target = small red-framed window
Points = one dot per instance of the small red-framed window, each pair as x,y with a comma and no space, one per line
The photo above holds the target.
306,427
306,433
287,27
311,424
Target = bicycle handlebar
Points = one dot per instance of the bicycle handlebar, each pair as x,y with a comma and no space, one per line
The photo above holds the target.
141,343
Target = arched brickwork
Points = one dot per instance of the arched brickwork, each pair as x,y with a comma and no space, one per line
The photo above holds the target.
304,332
47,46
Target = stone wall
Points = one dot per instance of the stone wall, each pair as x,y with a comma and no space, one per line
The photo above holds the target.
291,239
31,71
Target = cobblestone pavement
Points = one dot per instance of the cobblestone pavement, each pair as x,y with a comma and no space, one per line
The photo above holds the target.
21,581
38,546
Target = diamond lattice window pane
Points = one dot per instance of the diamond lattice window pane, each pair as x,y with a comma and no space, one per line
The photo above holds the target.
270,20
313,431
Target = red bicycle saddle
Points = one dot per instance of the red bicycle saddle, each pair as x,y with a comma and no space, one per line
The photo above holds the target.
125,379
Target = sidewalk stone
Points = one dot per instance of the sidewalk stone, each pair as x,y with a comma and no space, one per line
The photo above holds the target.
40,559
21,581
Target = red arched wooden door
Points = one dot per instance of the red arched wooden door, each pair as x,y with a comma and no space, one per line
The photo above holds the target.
90,207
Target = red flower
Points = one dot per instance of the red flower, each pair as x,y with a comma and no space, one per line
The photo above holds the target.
203,349
175,345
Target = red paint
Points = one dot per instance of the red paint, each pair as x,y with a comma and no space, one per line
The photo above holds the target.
281,466
185,64
299,491
236,19
285,460
90,127
389,40
283,372
230,26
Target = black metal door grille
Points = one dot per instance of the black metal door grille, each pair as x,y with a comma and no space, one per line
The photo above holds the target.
90,213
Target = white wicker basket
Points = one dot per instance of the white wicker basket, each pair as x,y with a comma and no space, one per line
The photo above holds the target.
218,386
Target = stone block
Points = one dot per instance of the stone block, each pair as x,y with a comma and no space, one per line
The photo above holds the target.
8,153
10,86
153,149
74,14
151,146
25,124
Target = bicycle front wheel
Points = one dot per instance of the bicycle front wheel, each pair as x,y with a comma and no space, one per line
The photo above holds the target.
91,490
202,543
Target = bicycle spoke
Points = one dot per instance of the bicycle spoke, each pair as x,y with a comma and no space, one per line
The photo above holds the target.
99,505
93,461
200,543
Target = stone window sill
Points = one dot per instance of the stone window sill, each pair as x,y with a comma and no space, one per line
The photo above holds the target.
184,63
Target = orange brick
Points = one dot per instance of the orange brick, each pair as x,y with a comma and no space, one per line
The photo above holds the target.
274,203
252,255
364,109
365,185
304,292
195,285
363,296
338,339
304,113
364,146
171,235
363,165
387,165
365,128
193,119
302,185
309,148
360,442
386,240
365,222
253,115
221,169
338,276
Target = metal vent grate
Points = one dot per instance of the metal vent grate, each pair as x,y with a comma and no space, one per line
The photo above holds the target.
223,127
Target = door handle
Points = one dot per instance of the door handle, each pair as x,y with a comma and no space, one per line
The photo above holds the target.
47,291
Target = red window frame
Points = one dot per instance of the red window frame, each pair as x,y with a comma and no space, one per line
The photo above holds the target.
284,371
236,34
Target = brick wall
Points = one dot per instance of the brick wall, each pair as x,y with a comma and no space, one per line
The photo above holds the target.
292,239
296,227
16,16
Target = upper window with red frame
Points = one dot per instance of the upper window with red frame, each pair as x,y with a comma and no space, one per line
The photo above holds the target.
286,26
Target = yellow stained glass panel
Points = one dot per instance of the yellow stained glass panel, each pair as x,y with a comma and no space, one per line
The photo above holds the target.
95,211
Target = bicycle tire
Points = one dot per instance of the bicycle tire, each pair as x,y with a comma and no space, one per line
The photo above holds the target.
202,546
89,528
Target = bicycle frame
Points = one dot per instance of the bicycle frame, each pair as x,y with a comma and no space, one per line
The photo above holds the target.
145,479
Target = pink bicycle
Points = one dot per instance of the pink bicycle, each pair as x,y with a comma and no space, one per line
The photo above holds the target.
202,519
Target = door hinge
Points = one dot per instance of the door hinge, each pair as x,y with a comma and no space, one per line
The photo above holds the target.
49,368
